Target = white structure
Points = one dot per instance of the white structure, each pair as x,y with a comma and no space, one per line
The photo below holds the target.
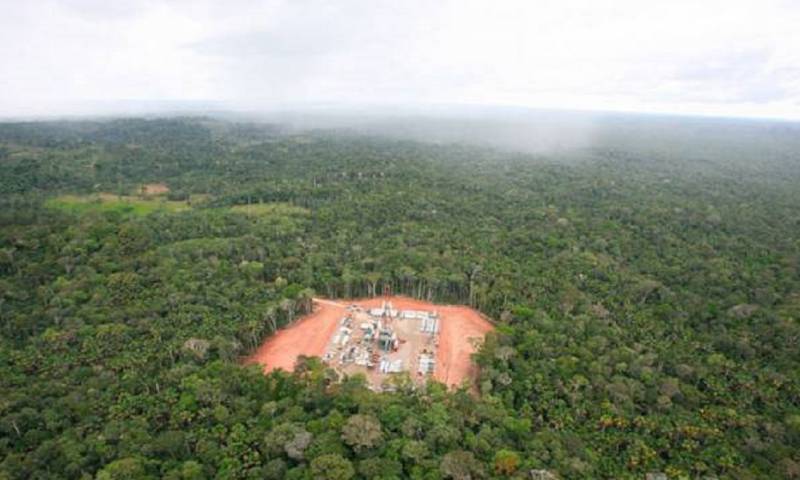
362,358
386,310
429,325
388,366
427,364
420,314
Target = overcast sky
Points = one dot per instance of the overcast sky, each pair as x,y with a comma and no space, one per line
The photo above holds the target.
723,57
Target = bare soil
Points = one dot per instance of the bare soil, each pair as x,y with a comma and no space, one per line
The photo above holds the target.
462,330
153,189
462,334
307,336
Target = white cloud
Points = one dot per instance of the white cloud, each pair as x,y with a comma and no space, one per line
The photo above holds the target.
713,57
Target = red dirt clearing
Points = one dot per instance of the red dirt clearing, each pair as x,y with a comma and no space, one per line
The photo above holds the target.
308,336
461,331
461,334
154,189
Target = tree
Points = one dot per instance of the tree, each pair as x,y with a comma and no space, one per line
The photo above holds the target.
505,462
415,451
124,469
331,467
192,470
362,432
380,468
289,438
461,465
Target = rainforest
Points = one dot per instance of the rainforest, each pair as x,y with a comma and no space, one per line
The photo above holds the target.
643,284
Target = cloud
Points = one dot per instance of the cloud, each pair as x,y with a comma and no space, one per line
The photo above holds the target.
722,57
299,29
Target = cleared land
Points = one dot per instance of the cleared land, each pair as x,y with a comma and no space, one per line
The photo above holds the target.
152,199
461,331
153,189
458,341
106,202
308,336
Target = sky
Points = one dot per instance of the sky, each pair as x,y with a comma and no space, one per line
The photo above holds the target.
708,57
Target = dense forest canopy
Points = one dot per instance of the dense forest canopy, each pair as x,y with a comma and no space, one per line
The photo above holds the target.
645,281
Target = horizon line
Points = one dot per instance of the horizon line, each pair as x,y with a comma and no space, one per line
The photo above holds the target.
133,108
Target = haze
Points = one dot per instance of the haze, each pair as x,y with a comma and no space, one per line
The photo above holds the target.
722,58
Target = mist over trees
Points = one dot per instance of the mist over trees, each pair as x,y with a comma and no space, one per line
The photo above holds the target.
643,274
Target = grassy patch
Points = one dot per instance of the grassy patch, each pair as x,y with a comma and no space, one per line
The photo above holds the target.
106,202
